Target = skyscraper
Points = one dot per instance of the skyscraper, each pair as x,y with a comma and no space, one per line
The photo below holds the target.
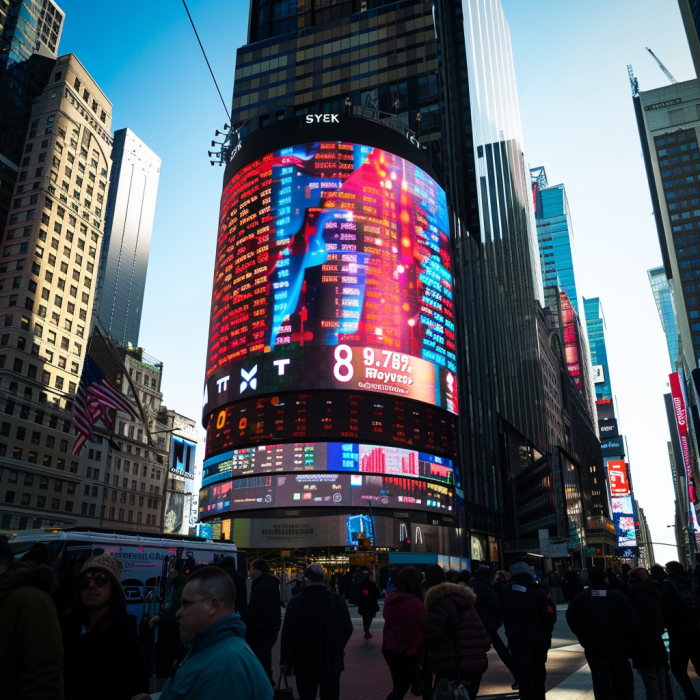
127,241
595,325
49,253
443,73
668,119
554,235
663,297
690,13
28,27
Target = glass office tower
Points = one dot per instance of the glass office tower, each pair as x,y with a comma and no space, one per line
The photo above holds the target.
554,235
595,325
131,206
667,311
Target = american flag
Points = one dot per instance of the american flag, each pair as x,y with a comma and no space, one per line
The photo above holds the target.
97,399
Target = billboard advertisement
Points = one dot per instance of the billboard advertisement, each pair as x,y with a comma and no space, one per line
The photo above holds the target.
619,478
613,446
175,522
680,412
332,271
598,374
182,452
331,456
624,520
325,489
607,428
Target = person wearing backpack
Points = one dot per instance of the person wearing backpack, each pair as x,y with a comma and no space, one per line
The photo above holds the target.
681,610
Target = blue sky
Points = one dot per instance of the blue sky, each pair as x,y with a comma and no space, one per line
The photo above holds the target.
570,61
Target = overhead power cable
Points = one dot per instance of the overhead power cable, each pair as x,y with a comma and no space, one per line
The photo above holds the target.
206,59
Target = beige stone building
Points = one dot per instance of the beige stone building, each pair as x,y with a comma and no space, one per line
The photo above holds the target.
48,270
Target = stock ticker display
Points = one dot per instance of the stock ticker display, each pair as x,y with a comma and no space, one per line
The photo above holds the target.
332,456
319,415
332,272
331,367
327,490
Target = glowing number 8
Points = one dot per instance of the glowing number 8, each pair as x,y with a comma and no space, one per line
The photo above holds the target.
220,420
343,369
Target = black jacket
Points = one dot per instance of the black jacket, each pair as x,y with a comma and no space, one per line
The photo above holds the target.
91,660
648,649
673,609
367,597
337,633
228,564
264,612
528,614
602,619
487,604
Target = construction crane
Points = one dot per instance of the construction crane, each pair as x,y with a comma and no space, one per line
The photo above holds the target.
667,73
633,82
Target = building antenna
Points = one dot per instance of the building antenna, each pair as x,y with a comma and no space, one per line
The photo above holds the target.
207,60
667,73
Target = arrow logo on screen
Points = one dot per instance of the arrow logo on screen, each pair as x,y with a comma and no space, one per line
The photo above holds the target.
249,379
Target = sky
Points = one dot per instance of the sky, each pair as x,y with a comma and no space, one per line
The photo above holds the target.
578,121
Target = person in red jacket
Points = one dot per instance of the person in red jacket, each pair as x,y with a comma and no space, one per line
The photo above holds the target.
404,617
454,630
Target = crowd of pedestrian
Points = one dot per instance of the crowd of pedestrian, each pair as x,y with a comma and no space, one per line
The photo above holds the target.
438,628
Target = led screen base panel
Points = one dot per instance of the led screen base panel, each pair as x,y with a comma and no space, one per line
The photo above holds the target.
333,269
318,415
395,530
334,457
326,490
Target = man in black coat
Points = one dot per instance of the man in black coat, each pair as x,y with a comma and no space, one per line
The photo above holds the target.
488,607
263,617
229,565
317,626
604,622
677,592
529,618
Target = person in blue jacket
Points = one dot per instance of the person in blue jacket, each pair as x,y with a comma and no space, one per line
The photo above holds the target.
219,664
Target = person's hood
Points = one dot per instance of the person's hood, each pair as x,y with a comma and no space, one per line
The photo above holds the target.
266,577
358,576
648,587
681,579
229,626
394,599
13,577
524,580
444,589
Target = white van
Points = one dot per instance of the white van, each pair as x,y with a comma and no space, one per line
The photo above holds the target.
146,559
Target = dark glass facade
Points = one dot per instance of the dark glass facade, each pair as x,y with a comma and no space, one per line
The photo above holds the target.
445,70
127,242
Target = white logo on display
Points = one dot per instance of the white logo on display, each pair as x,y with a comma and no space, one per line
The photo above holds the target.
223,383
327,118
419,536
249,379
281,364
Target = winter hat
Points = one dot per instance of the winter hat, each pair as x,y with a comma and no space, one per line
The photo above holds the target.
483,572
520,568
596,576
674,567
261,565
107,563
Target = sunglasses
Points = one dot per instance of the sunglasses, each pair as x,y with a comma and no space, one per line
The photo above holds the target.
99,578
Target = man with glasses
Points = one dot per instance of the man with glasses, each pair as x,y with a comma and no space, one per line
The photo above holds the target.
219,664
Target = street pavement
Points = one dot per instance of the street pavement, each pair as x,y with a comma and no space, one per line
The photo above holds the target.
366,675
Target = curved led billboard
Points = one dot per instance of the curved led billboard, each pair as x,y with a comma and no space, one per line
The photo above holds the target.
322,414
332,456
327,490
332,272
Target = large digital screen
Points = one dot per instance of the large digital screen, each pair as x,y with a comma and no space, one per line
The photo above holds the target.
332,271
323,414
624,520
332,456
182,454
619,478
327,490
